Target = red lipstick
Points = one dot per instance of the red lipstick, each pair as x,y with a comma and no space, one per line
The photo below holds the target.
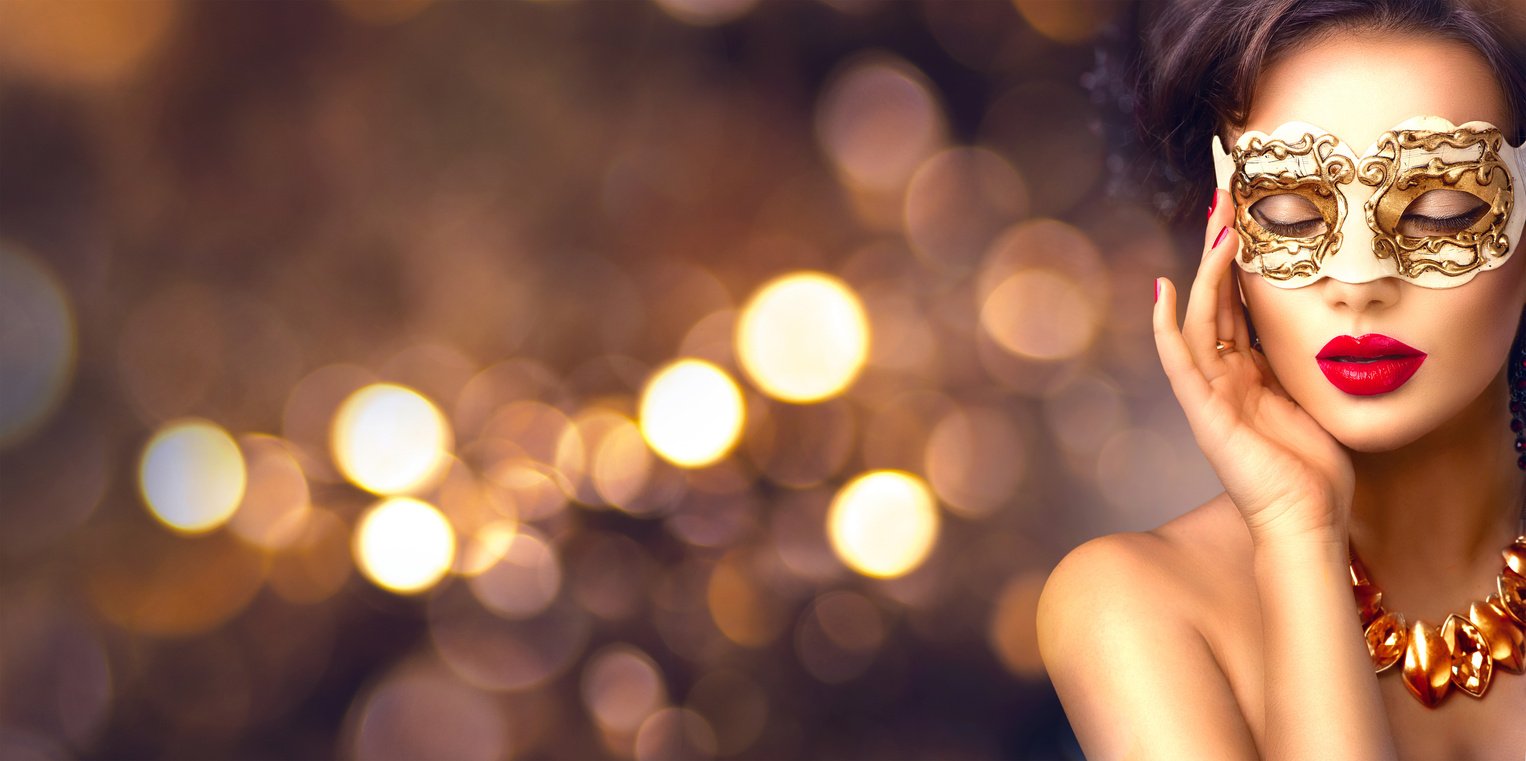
1370,365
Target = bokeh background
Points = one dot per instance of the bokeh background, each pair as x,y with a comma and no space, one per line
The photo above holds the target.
561,380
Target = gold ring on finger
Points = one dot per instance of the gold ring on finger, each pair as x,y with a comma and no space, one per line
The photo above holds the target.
1224,344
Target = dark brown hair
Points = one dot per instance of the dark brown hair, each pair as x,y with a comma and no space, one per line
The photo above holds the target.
1201,58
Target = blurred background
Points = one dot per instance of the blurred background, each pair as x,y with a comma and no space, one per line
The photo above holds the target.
561,380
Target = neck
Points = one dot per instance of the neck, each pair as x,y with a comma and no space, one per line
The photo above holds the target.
1429,519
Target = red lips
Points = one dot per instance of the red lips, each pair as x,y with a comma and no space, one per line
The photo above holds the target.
1370,365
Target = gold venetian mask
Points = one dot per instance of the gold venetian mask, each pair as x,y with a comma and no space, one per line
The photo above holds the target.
1431,202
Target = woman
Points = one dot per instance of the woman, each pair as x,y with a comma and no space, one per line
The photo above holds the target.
1236,630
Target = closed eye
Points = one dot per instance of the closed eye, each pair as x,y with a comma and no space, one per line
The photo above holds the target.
1288,215
1440,213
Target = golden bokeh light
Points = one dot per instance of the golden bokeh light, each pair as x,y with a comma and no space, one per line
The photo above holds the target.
1012,631
803,445
389,439
903,339
744,609
317,564
550,379
486,547
958,201
712,338
192,475
1082,414
82,42
171,587
275,507
850,620
803,337
691,413
674,733
73,689
837,637
525,487
525,578
706,12
1071,21
537,433
795,528
877,120
1040,314
404,545
621,687
706,519
486,393
438,371
1045,244
505,654
883,523
307,416
607,575
38,344
471,505
975,460
621,464
422,710
590,426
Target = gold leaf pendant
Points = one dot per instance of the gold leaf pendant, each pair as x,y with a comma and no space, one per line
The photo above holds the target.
1427,665
1464,652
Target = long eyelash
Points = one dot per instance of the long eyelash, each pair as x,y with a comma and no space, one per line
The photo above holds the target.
1296,230
1446,224
1307,228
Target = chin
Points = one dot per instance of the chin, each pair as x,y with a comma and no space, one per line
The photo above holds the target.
1383,424
1376,436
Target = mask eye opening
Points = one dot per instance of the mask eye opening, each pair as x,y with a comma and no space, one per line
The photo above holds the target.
1441,213
1288,215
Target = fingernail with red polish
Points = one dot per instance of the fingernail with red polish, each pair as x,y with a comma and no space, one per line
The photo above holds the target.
1220,239
1215,203
1157,289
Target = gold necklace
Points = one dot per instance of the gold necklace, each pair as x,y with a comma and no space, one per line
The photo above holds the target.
1465,651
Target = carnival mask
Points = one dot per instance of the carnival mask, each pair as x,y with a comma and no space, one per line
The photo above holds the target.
1430,202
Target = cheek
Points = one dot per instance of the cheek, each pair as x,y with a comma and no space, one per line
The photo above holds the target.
1480,324
1485,313
1272,311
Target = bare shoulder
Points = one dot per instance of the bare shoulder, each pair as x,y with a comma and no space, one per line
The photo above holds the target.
1179,566
1120,632
1212,536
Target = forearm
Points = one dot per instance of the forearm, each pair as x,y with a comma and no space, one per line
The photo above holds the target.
1322,698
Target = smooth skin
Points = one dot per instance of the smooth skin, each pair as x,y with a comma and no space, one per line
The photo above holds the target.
1230,632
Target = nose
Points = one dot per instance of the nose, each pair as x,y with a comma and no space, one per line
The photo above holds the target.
1377,294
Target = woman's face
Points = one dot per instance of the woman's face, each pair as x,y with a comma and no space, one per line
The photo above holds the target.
1358,86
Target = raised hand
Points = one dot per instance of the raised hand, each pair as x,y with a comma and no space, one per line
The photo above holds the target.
1289,477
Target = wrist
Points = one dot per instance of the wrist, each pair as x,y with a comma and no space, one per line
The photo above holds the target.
1298,562
1302,522
1305,536
1269,540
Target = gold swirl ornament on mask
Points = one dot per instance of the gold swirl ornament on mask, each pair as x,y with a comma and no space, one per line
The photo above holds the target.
1417,156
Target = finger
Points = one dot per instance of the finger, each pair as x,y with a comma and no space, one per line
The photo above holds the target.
1187,381
1219,219
1224,322
1201,328
1241,330
1221,210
